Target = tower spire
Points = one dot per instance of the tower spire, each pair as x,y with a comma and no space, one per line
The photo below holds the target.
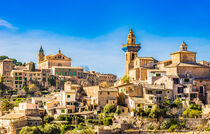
183,46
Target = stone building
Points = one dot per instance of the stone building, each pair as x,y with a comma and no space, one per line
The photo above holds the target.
100,96
181,75
46,62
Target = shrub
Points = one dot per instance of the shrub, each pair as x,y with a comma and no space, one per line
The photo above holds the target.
48,118
65,127
155,112
207,129
164,125
150,126
109,108
30,130
193,111
178,102
173,127
117,111
125,79
51,129
107,121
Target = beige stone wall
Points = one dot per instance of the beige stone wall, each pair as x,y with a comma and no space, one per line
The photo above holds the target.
105,96
194,71
189,57
50,63
143,74
175,58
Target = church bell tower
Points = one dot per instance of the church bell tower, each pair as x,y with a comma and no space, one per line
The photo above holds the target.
131,51
41,55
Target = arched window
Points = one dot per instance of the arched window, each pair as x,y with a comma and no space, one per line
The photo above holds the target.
132,56
59,64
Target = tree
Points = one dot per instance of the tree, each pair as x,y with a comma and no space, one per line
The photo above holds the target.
6,105
32,67
32,88
125,79
109,108
193,111
30,130
52,129
178,102
155,112
107,121
48,118
140,111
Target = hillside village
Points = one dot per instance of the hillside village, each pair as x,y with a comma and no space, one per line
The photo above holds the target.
153,96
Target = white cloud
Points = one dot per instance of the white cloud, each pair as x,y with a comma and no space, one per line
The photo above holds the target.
102,54
4,23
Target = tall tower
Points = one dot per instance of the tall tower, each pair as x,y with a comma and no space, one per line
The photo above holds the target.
41,55
131,51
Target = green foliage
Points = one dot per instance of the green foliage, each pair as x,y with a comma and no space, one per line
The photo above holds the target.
194,111
150,126
32,67
178,102
46,129
109,108
14,60
207,129
155,112
117,111
52,129
107,121
52,81
173,127
140,111
6,105
164,125
172,124
32,88
93,121
48,118
30,130
66,127
125,79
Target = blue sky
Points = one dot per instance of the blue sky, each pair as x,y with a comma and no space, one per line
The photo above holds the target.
91,32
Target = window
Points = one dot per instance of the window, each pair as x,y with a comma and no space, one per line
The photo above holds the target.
74,73
132,56
16,78
56,73
180,90
44,79
63,111
149,106
201,89
123,111
61,73
20,82
176,80
69,73
43,74
108,93
158,92
15,74
158,75
20,73
69,110
16,82
186,80
20,78
68,96
149,91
